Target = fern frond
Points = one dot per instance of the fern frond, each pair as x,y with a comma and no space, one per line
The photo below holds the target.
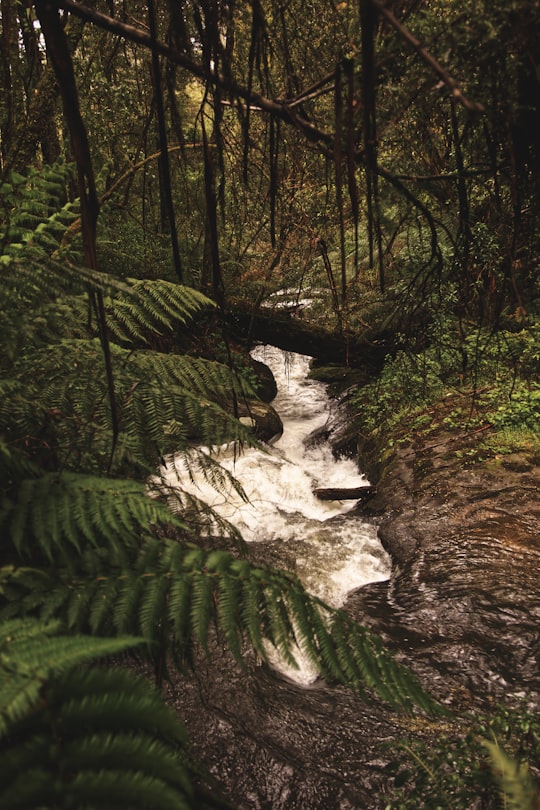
202,603
327,647
162,402
32,651
280,624
180,591
14,466
153,609
73,737
152,306
201,519
37,206
229,601
518,788
57,511
312,634
180,595
252,608
98,788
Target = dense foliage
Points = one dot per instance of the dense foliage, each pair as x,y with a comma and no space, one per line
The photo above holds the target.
94,546
157,163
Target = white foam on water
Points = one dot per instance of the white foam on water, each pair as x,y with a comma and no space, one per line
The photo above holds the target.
334,555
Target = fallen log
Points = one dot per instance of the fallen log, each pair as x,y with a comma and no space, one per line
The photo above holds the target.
280,329
343,493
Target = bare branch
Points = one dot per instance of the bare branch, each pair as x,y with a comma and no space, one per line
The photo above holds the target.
276,108
472,106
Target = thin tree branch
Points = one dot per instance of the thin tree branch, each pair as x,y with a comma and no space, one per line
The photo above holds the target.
428,58
75,226
314,90
277,108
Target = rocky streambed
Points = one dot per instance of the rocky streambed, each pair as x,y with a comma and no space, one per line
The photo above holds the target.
461,609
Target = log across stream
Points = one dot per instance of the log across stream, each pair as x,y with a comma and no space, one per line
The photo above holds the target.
344,493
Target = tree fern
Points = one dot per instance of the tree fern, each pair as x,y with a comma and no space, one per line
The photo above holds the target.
58,513
93,737
163,402
31,652
152,307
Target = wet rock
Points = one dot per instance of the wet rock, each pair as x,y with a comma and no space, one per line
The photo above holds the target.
264,420
462,606
267,386
277,746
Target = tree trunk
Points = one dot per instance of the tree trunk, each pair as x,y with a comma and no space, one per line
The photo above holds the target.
12,99
295,335
29,118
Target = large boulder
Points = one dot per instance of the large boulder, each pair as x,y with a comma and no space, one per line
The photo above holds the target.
267,386
264,419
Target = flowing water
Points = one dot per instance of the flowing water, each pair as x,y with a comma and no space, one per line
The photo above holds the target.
330,549
461,607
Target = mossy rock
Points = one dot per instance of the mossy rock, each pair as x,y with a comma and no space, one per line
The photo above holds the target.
338,377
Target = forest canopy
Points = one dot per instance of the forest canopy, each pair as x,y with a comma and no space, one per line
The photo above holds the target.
265,140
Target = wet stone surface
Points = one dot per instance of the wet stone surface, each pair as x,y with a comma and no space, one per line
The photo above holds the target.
274,744
462,607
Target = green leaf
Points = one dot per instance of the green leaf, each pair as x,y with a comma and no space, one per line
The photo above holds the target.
518,788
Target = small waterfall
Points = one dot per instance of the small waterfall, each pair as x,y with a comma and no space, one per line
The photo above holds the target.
332,552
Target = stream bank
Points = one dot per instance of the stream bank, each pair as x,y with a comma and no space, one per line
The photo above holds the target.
461,609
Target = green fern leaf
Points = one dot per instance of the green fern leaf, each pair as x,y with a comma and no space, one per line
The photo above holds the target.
280,625
56,511
229,600
153,611
31,651
73,737
253,616
128,602
312,634
170,594
202,604
152,307
162,402
518,788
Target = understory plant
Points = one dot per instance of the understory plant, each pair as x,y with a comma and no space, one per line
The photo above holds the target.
75,733
489,762
484,380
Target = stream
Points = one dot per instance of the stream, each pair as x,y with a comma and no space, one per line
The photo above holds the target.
460,604
330,549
